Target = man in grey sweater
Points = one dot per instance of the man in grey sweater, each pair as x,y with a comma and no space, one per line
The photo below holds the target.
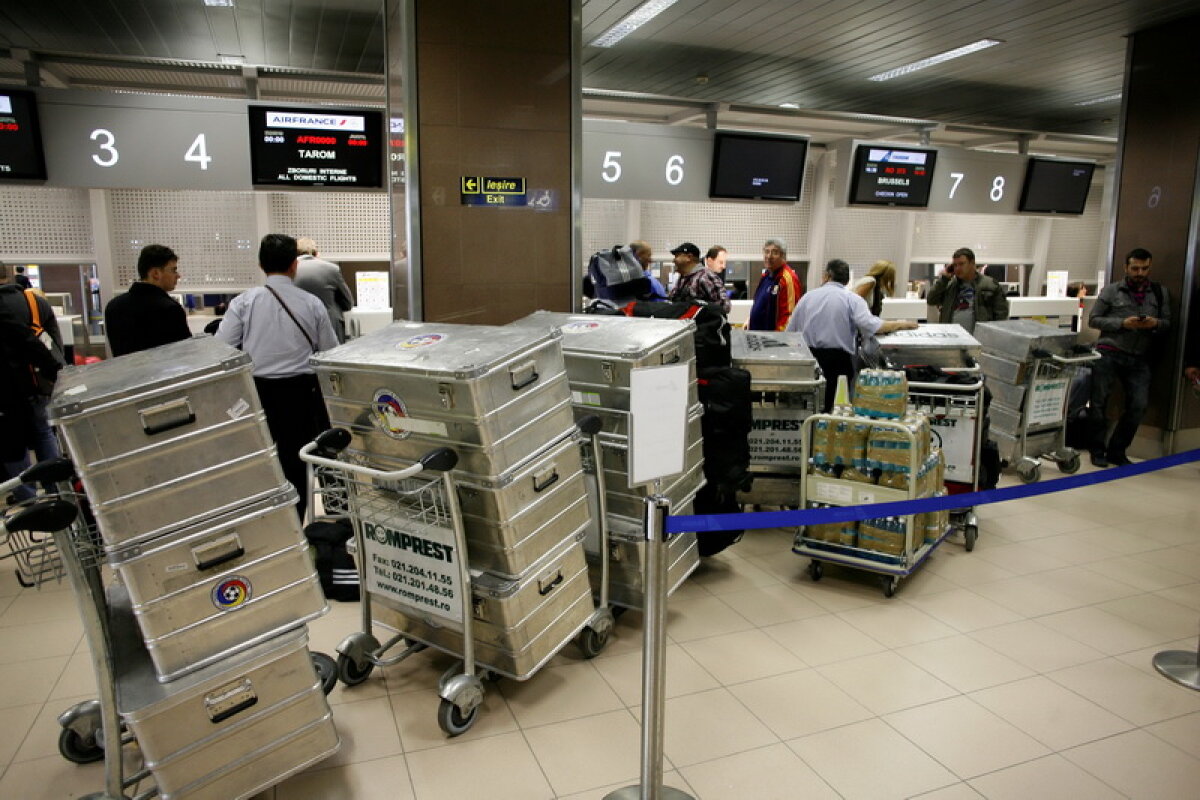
324,279
1132,315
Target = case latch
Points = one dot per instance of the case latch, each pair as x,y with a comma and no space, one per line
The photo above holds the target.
335,384
446,395
606,367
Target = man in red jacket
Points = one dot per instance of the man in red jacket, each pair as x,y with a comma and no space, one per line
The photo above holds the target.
778,290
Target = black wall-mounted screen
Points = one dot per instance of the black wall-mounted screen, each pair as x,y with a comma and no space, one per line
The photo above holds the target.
21,155
756,167
892,176
316,147
1056,187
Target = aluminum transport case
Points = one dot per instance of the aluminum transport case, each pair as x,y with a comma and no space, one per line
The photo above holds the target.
207,591
518,624
494,394
626,559
779,361
167,437
945,346
231,729
1003,370
1016,339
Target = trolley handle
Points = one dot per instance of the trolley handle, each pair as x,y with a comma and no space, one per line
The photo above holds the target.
1083,359
941,387
52,514
52,470
442,459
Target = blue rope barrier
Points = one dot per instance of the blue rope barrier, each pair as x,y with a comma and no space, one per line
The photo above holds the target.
816,516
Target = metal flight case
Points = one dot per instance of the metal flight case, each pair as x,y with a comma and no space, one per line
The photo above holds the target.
954,402
787,387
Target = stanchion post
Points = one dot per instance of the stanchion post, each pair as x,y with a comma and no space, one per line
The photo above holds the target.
654,659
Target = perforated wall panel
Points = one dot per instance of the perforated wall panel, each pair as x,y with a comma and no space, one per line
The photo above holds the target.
603,225
212,232
341,223
862,236
1077,243
38,222
993,237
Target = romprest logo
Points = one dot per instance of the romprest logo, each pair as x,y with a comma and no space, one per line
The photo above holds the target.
231,593
424,340
580,327
319,122
388,413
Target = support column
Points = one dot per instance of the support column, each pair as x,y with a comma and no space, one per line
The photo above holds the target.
491,90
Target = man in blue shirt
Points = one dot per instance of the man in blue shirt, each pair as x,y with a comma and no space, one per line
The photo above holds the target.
831,317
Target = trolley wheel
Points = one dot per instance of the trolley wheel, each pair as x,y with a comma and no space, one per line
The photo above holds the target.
970,534
327,670
890,582
79,749
815,570
350,672
1069,465
592,641
1029,473
453,721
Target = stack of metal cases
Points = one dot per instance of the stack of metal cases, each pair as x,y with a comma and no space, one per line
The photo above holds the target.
191,505
600,351
949,347
197,521
1007,362
786,388
499,397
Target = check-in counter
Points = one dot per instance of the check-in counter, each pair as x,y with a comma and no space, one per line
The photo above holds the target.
1060,312
363,321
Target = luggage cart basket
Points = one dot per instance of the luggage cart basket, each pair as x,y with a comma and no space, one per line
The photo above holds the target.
415,511
955,412
1042,429
34,553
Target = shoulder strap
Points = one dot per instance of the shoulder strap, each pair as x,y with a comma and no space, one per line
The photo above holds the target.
35,318
307,338
1157,289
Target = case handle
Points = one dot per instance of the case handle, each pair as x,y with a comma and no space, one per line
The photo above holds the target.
670,356
545,588
545,479
167,416
524,375
218,551
229,700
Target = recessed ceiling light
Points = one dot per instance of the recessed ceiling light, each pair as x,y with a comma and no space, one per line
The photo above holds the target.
1108,98
231,59
789,105
958,52
631,22
219,3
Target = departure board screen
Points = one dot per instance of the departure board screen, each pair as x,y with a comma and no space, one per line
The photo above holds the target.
1056,187
316,147
892,176
757,167
21,155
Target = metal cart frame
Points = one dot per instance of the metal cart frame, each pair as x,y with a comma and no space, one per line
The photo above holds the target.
432,500
835,491
778,484
1046,368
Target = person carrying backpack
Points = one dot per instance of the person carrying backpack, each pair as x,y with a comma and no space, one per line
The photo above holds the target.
31,355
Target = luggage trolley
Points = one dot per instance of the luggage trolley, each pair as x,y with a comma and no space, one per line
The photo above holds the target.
412,556
955,409
34,553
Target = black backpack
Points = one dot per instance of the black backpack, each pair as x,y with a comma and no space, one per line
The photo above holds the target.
335,566
26,359
728,417
712,329
616,275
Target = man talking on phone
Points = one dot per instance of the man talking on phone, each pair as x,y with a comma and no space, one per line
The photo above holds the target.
1133,317
965,295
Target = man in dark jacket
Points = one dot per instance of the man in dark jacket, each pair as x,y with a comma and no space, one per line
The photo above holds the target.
146,316
965,295
1131,316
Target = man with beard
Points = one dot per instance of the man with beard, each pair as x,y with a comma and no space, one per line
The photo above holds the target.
1132,316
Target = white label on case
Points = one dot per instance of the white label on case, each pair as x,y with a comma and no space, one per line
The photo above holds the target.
585,398
80,389
238,408
176,568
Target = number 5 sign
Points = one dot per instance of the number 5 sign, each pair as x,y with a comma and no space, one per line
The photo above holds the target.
645,162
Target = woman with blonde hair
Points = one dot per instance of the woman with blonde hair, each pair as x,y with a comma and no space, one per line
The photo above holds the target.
878,283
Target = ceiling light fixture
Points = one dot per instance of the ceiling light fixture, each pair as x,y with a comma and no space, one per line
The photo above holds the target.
632,21
227,58
958,52
789,105
1108,98
219,3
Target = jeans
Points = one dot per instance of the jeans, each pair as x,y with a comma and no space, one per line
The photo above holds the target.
43,443
1134,374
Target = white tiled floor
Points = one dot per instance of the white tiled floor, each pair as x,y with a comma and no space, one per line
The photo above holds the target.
1016,672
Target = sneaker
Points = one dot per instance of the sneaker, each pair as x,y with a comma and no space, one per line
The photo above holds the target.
1118,461
1098,460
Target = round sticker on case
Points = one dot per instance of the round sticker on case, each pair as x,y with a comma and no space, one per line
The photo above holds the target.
231,593
388,413
424,340
580,327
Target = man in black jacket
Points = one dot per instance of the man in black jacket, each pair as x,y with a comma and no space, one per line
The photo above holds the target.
146,316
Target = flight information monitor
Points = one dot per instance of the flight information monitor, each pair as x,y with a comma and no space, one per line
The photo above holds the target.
1056,187
757,167
21,155
316,147
892,176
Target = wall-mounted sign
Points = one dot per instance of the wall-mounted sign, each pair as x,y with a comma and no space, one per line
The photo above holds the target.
634,161
372,291
478,190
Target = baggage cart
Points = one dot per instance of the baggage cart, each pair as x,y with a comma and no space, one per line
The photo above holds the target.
36,558
954,406
787,387
413,559
228,730
897,547
1036,428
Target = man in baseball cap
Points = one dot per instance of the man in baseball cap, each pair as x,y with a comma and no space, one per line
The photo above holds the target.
696,283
